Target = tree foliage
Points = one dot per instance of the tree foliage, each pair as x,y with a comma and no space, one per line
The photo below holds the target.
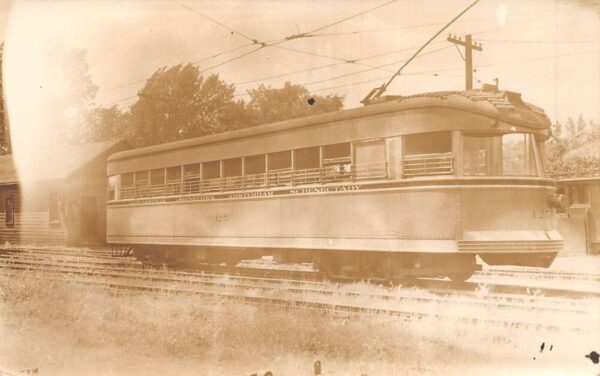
4,130
574,150
268,105
76,97
178,103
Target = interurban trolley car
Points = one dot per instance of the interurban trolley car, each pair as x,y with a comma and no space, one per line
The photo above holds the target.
407,186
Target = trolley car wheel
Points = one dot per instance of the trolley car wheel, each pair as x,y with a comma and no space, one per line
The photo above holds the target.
461,277
406,281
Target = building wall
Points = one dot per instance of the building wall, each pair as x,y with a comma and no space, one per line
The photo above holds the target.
573,232
580,223
50,211
90,182
31,218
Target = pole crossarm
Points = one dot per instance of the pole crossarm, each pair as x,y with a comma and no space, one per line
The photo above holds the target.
460,42
468,58
378,91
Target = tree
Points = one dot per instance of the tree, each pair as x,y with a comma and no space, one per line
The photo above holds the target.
105,124
70,100
5,146
178,103
575,152
268,105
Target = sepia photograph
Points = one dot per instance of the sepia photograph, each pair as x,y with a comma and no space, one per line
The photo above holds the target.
299,187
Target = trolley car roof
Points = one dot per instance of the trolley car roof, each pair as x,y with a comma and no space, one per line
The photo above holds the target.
501,106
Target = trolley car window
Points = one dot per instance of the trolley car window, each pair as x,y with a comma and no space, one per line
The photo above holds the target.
174,174
518,156
480,155
141,178
127,180
112,187
369,152
157,176
307,158
508,155
427,154
191,170
191,175
53,205
9,208
254,165
580,194
211,170
428,143
370,159
338,153
280,160
232,167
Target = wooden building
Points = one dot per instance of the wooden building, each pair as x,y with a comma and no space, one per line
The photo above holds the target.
579,223
58,197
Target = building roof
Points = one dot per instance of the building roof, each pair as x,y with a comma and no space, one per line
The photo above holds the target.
54,162
505,106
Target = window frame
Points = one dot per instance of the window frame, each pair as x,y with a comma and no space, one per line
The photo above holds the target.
9,211
54,216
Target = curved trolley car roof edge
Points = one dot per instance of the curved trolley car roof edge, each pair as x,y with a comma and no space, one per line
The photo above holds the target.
503,106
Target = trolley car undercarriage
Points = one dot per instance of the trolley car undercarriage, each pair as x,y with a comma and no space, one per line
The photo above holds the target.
352,265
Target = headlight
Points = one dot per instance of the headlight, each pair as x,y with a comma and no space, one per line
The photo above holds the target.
557,201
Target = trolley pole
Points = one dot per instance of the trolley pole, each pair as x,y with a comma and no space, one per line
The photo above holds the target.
468,58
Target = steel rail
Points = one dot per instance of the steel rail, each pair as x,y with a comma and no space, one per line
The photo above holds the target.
290,275
95,254
299,302
319,289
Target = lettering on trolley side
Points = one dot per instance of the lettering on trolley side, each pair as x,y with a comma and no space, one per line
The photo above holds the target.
220,218
542,213
249,195
301,191
295,191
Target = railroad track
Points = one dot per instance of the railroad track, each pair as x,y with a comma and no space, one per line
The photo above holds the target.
541,274
284,285
409,304
500,282
513,272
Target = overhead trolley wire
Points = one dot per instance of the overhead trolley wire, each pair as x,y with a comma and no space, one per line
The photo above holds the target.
375,93
237,57
118,101
217,22
274,43
410,26
539,41
371,69
332,65
195,62
436,72
350,17
345,61
396,28
315,54
553,13
222,53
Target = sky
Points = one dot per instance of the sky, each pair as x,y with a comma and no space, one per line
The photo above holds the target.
549,50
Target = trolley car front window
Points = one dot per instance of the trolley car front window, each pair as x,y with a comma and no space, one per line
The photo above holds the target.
506,155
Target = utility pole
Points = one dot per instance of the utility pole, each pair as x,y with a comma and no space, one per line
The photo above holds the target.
468,58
